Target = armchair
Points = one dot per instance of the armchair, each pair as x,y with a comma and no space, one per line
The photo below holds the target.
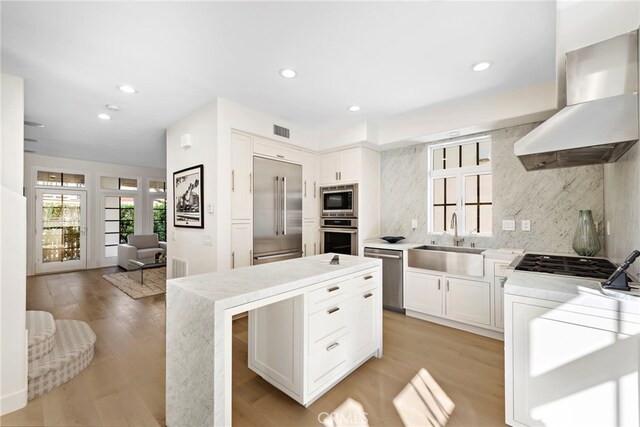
139,247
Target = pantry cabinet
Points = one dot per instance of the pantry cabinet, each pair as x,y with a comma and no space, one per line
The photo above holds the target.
309,188
241,177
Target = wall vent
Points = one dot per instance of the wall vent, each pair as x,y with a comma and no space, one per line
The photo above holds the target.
178,268
280,131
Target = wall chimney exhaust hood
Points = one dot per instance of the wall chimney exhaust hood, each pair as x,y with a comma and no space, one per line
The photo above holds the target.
600,122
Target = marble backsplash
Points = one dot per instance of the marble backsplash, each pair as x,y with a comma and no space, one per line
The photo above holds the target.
550,199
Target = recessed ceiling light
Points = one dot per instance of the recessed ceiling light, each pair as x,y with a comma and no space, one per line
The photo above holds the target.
482,66
34,124
104,116
288,73
454,133
112,107
127,89
31,140
354,108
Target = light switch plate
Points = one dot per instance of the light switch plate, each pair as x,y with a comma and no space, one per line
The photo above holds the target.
525,225
207,240
508,225
414,223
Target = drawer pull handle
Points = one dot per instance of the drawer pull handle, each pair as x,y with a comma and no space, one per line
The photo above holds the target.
368,277
332,346
333,310
368,295
333,288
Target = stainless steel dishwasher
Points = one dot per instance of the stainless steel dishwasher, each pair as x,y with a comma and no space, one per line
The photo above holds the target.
392,286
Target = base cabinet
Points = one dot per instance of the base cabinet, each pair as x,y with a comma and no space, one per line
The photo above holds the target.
422,293
310,234
241,244
305,345
565,366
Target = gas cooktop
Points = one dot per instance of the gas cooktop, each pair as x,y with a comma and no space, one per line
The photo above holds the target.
595,268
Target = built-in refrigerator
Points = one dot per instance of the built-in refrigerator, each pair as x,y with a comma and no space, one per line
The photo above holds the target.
277,211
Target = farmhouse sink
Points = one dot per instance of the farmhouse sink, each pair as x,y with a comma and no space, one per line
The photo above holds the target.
448,259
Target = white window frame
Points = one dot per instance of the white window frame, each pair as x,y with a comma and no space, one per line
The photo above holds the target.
459,174
150,197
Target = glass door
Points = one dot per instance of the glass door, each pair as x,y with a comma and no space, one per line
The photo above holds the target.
61,230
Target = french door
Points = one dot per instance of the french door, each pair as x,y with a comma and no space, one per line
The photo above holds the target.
61,230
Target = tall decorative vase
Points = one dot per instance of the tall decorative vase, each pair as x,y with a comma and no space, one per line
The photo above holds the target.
585,241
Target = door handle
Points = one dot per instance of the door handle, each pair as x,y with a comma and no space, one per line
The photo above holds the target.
314,248
368,277
369,295
83,230
250,256
284,205
339,176
277,203
336,176
447,286
233,180
333,310
250,182
314,189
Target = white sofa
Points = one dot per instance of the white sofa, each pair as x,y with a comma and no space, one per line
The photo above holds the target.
139,247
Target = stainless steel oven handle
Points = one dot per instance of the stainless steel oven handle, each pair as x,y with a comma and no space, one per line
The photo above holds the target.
371,255
340,230
284,205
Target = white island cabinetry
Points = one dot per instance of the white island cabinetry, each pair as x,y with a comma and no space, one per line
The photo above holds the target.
342,321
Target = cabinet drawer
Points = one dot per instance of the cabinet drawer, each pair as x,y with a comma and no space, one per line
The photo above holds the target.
366,279
501,269
327,363
329,294
326,324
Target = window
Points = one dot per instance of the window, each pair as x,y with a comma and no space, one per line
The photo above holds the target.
60,227
460,181
119,215
157,186
160,218
59,179
110,183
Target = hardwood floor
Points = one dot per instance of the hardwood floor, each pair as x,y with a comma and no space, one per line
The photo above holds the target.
124,385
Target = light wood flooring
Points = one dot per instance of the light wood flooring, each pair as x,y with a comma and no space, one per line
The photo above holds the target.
124,385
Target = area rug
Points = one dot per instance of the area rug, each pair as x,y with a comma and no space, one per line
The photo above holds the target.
155,282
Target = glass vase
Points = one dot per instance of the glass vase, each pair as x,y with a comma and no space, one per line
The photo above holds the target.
585,241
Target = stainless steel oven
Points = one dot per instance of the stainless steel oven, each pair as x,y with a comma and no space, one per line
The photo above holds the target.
339,235
339,200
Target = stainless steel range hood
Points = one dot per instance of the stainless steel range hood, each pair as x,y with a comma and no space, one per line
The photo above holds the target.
600,122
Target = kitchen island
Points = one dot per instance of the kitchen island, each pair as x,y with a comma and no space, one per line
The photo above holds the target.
572,353
327,318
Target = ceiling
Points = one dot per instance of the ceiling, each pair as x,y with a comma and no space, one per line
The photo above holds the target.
388,57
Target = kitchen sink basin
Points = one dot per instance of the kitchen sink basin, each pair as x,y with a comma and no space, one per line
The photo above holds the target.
448,259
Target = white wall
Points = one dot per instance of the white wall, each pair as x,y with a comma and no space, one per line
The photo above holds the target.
95,208
13,300
187,243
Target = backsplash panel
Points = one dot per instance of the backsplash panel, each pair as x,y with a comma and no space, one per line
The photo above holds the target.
550,199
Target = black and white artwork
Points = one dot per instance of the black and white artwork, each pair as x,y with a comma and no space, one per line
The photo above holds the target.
188,195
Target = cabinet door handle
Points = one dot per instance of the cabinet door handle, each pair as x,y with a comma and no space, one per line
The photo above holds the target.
333,288
250,256
305,189
332,346
438,284
233,260
314,189
280,156
250,182
333,310
233,180
447,286
336,176
368,295
339,176
368,277
305,249
314,248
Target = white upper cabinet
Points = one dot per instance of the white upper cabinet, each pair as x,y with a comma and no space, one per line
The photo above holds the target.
241,177
341,166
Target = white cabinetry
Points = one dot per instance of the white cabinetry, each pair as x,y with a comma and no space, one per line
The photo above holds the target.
431,295
241,177
241,244
343,322
501,272
310,244
309,189
570,365
341,166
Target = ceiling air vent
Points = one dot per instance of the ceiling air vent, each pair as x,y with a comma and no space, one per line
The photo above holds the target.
280,131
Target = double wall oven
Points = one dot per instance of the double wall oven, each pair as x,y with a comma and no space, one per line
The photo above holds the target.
339,219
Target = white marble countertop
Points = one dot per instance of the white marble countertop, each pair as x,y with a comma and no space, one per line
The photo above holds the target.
241,285
400,246
565,289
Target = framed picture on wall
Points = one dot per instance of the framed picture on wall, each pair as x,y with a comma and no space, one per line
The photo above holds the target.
188,197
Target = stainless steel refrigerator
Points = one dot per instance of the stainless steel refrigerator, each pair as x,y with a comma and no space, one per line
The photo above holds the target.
277,211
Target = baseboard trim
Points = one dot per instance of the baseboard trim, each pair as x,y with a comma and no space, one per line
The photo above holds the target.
457,325
13,402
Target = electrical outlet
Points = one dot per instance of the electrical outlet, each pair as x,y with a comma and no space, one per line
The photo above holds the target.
414,223
207,240
173,236
508,225
608,228
525,225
